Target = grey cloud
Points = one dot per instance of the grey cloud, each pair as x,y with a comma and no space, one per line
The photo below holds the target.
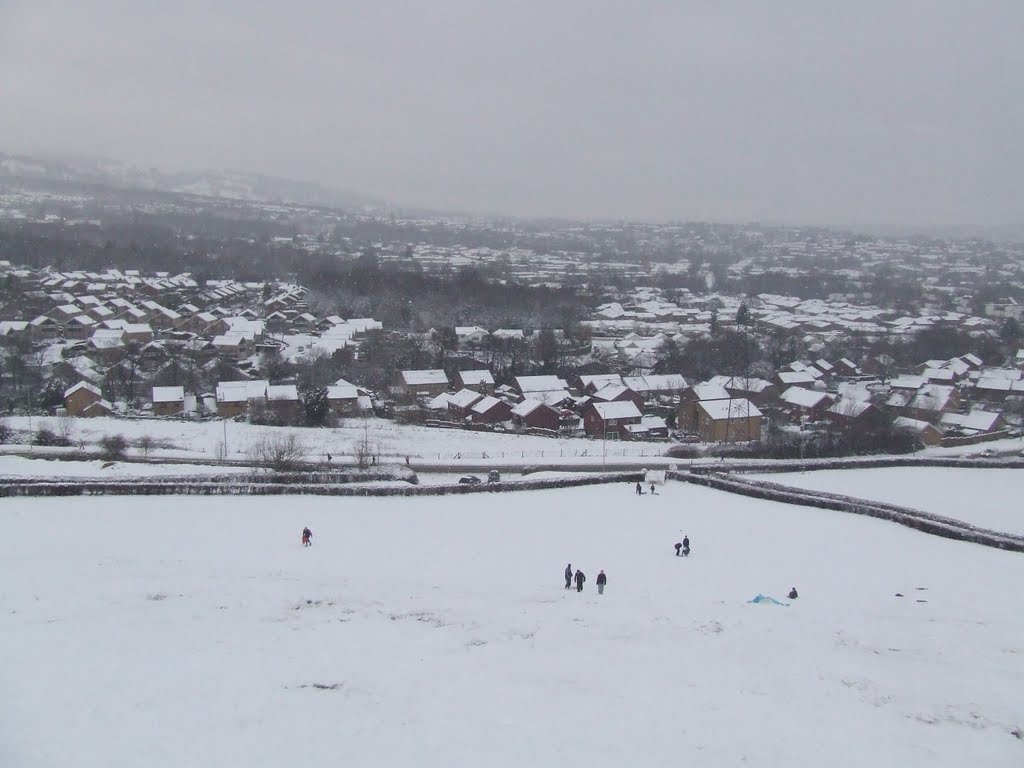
809,112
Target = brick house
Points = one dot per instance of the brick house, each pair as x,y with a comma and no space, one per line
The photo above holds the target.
283,401
535,414
80,396
490,410
168,401
409,385
479,381
609,419
460,403
728,421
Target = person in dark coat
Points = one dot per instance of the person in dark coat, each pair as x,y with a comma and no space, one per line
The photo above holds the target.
601,581
792,594
639,488
686,546
307,536
580,578
568,576
652,489
678,547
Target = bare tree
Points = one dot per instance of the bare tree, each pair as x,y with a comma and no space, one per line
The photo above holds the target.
280,452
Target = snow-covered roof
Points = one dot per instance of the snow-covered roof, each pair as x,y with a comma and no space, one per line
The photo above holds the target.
709,391
625,409
526,407
168,394
342,392
736,408
599,380
464,398
476,378
975,421
282,392
82,385
484,404
804,398
423,377
539,383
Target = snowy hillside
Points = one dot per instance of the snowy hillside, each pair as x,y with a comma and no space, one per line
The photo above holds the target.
436,631
986,497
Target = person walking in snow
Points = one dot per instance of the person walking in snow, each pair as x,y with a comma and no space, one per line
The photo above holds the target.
568,576
601,581
307,536
580,578
678,548
686,546
639,489
652,490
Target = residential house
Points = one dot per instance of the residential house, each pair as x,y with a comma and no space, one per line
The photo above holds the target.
618,393
688,418
234,397
480,381
855,416
923,431
490,410
283,402
549,389
138,332
343,398
410,385
80,396
168,401
804,405
608,420
975,422
460,403
471,336
535,414
728,421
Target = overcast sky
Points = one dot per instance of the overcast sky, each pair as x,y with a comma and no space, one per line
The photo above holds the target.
817,112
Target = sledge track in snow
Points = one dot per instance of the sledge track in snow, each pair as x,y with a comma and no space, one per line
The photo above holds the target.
937,525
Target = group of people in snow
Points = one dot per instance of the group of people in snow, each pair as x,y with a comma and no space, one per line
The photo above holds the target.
640,489
580,578
683,547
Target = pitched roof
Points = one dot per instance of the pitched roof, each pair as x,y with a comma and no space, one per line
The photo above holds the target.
168,394
427,376
476,377
804,398
464,398
82,385
736,408
624,409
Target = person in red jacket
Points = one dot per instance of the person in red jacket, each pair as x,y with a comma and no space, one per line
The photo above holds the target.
601,581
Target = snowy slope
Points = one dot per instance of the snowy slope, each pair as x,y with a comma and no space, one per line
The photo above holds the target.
986,497
435,631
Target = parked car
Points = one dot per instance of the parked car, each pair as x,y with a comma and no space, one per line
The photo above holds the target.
989,452
469,480
494,476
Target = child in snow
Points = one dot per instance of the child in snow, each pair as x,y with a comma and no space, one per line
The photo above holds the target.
306,536
792,594
568,576
652,490
678,547
580,578
601,581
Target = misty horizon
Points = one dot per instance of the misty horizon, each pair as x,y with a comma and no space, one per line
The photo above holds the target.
877,117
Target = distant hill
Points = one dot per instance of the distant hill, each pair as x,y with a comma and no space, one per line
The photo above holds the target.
227,185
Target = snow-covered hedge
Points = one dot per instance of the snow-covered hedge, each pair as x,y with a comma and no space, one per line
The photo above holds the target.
912,518
262,485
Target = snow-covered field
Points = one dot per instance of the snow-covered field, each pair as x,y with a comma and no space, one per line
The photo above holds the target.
18,466
435,631
200,439
986,497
